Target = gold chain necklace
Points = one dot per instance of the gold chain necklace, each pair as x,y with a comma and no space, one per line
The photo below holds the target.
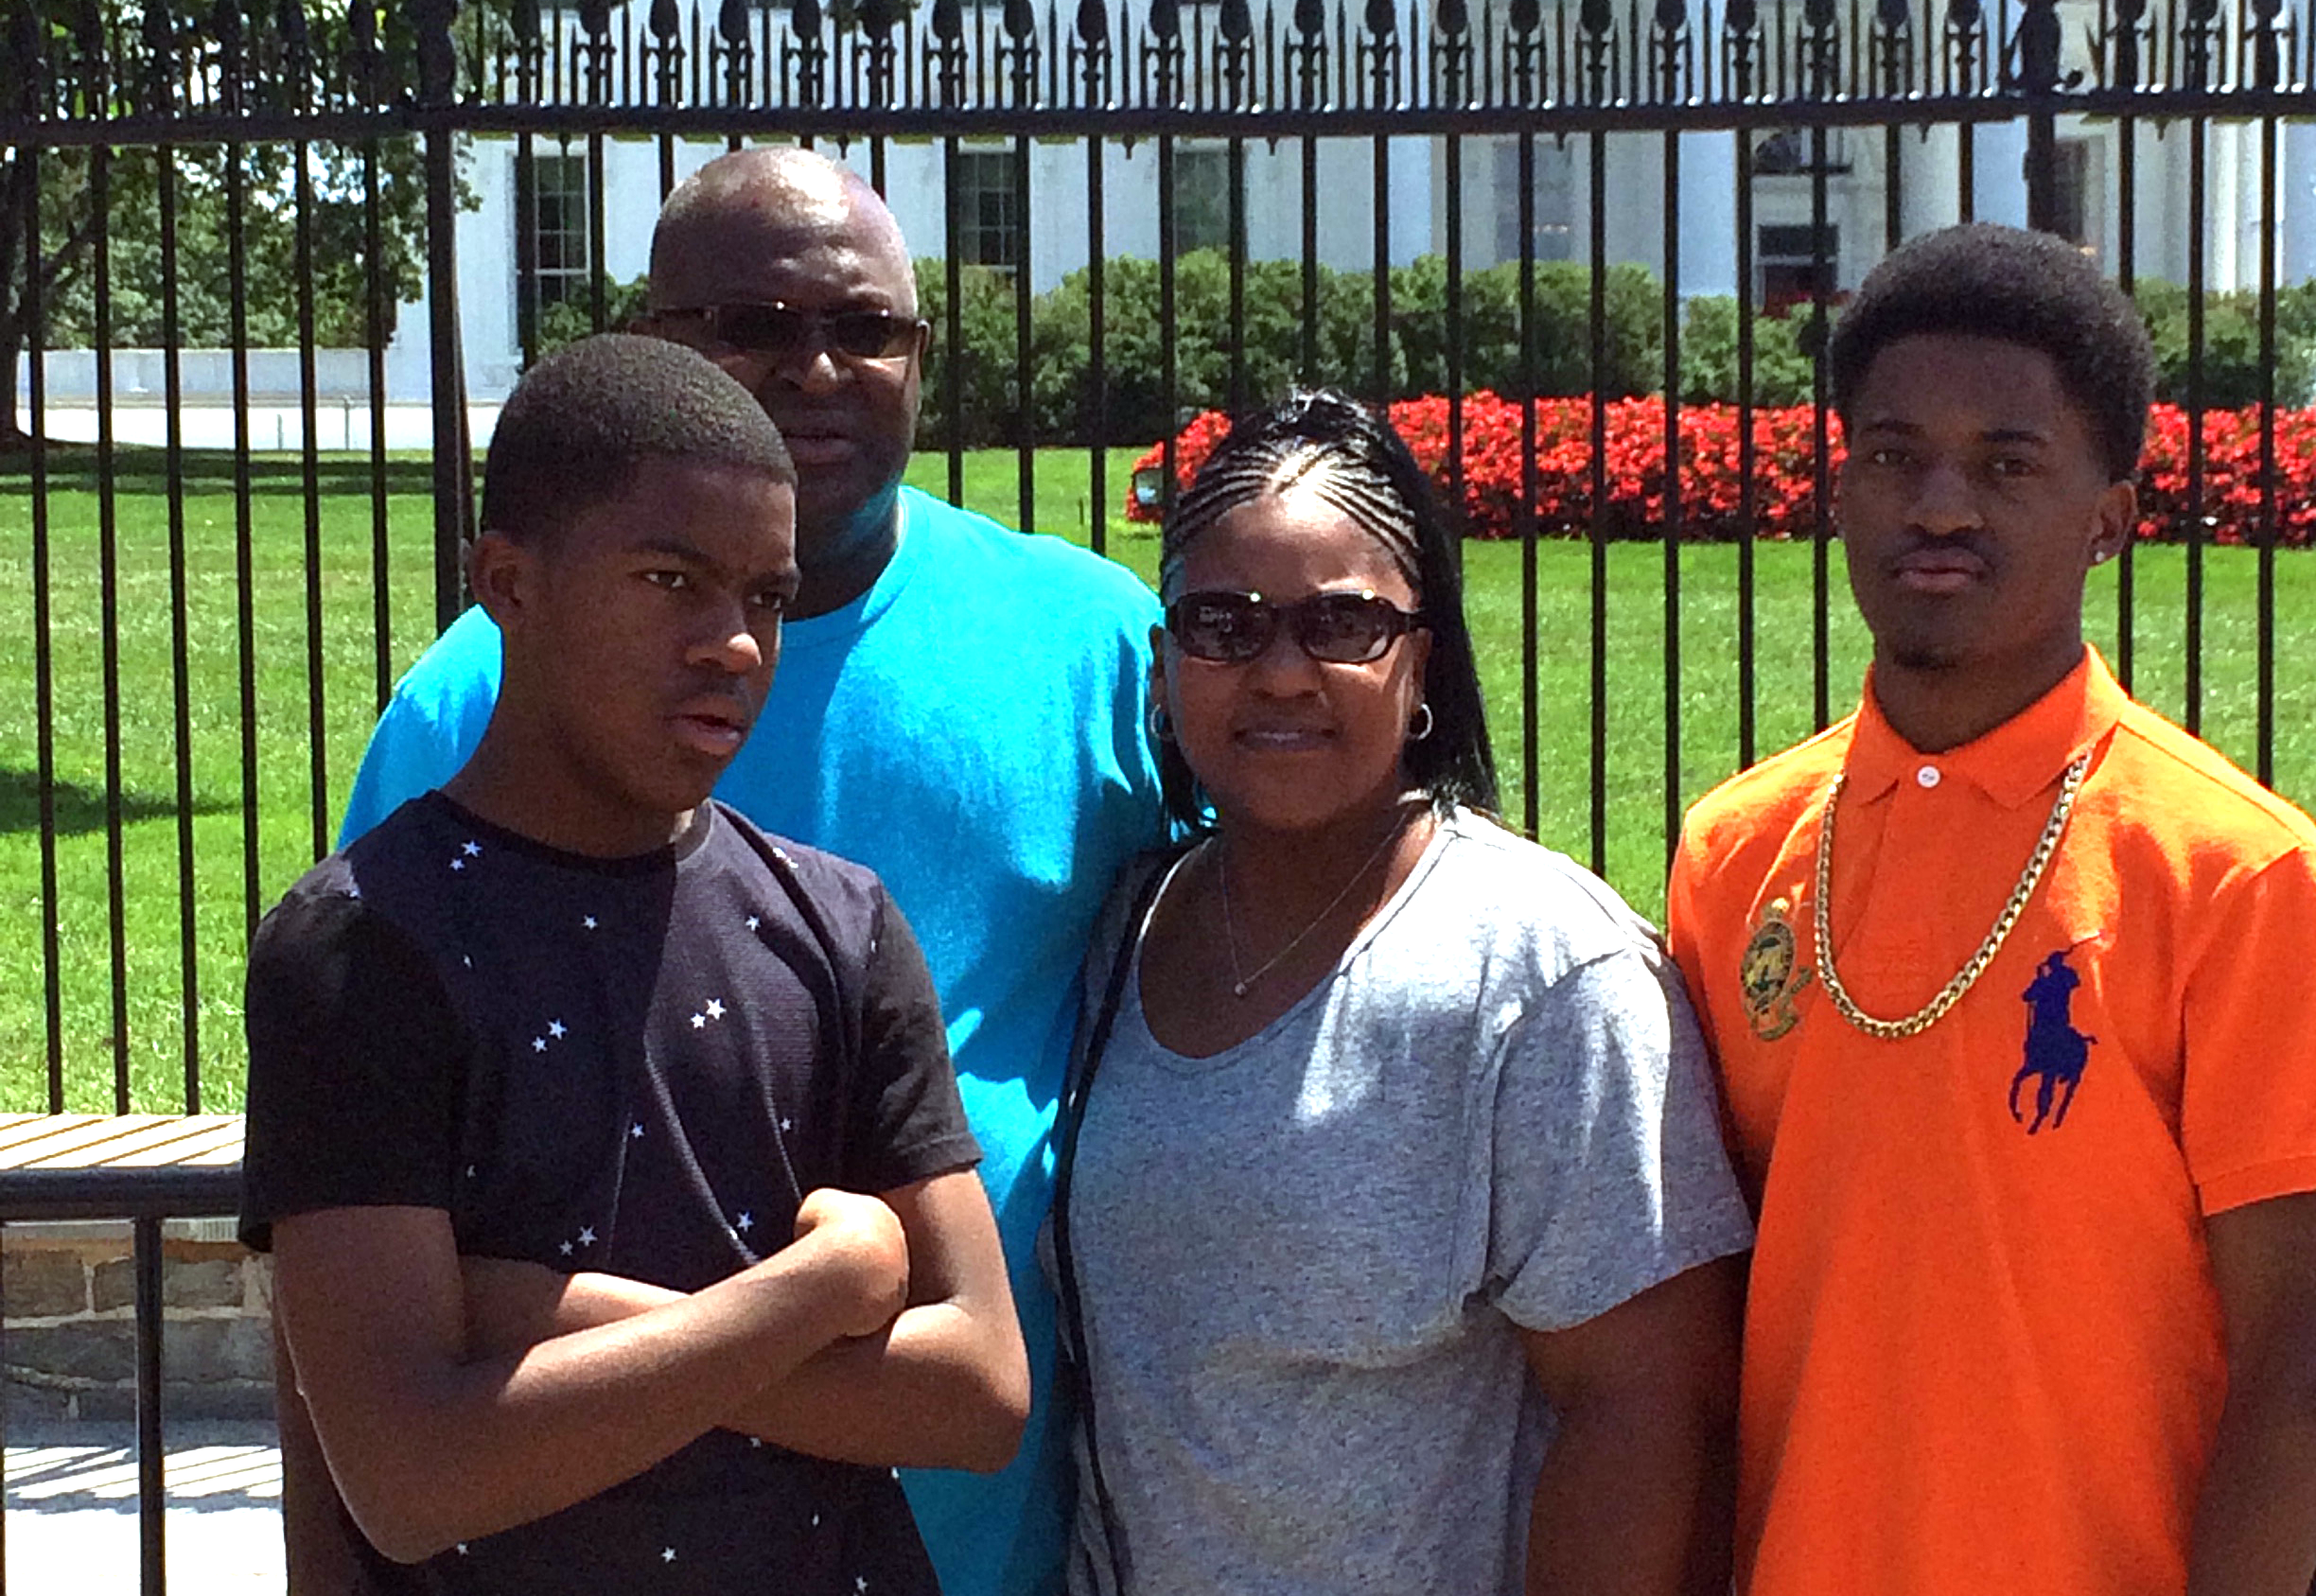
1930,1013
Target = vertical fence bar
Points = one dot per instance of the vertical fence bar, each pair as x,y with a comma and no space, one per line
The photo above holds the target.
2264,761
1821,443
98,102
1672,33
1598,680
1094,40
453,461
1821,26
1453,157
158,27
2127,236
1021,54
948,49
952,334
12,399
378,316
310,456
227,22
2192,710
43,629
1025,396
153,1502
1748,716
1531,773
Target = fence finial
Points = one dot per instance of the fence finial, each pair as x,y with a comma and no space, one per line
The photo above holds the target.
437,59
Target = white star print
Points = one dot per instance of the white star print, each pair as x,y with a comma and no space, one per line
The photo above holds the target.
699,1021
667,1555
564,1248
745,1221
815,1520
471,848
457,864
860,1582
587,922
756,1442
587,1236
471,1172
715,1008
753,922
786,1126
466,961
636,1129
461,1548
557,1029
354,891
538,1045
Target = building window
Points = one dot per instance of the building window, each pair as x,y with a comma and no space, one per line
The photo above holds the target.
1201,200
562,264
988,210
1788,268
1555,201
1786,153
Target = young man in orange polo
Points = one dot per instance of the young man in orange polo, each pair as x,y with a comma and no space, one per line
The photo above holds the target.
2008,984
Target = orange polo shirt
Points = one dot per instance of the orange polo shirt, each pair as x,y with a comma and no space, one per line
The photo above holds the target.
1983,1353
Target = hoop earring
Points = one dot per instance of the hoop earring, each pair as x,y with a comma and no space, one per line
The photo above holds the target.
1420,727
1161,723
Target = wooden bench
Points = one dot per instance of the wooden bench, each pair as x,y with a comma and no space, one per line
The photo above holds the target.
119,1166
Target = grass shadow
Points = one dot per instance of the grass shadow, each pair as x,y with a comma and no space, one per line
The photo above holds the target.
79,809
142,469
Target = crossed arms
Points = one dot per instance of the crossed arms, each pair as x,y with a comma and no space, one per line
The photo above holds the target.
456,1397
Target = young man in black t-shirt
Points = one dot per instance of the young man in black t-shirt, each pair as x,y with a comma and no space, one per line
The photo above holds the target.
567,1086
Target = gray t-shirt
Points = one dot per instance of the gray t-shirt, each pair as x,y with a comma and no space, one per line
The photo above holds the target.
1304,1262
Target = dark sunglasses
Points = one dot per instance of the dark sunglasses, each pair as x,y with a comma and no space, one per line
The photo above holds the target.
1335,628
783,331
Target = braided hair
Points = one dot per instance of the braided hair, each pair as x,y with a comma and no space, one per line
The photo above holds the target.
1326,443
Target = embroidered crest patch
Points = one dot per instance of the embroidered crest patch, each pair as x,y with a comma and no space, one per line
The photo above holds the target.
1770,974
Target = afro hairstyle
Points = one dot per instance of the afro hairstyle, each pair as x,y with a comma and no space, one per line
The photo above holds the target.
2032,289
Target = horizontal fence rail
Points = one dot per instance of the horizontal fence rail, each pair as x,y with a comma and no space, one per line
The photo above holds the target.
264,272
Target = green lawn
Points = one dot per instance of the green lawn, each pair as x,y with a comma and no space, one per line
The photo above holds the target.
225,892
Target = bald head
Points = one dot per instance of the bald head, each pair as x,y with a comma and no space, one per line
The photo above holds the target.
770,204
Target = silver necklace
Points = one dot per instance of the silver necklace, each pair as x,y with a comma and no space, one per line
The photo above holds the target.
1241,980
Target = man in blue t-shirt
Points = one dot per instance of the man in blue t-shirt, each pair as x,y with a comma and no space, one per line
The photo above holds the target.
957,706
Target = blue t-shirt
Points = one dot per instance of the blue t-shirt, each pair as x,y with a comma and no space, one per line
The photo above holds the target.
971,728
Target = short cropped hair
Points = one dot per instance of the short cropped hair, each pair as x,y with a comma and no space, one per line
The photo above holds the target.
582,420
1329,443
2032,289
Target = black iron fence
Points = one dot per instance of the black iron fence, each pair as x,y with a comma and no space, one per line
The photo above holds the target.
218,562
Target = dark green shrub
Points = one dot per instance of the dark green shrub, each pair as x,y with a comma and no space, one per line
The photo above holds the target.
2231,343
573,319
1781,369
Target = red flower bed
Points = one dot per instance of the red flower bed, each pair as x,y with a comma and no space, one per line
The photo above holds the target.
1784,477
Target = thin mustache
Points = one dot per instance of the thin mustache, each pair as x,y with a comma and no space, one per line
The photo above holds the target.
1969,543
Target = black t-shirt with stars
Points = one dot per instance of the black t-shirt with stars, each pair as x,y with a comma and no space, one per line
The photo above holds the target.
634,1065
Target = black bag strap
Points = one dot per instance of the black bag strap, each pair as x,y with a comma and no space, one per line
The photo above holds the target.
1074,1091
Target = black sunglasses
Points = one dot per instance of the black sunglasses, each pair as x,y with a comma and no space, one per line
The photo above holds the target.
781,330
1335,628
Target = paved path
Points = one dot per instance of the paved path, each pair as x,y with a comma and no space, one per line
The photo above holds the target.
72,1510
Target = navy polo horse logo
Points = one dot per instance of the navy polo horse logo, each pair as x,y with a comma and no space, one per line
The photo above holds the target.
2056,1051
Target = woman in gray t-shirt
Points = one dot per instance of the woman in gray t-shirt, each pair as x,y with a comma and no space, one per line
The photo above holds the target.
1392,1186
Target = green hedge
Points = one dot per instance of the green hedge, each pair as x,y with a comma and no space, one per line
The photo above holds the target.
1063,402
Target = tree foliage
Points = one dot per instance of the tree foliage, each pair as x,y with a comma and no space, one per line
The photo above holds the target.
101,211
